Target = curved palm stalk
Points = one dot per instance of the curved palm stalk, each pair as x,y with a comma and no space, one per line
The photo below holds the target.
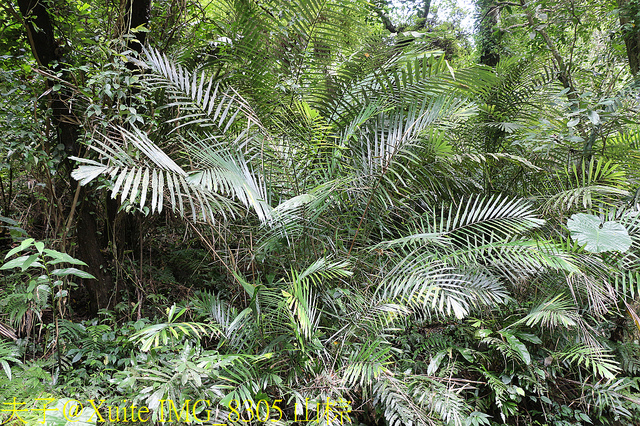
600,360
318,26
360,314
388,134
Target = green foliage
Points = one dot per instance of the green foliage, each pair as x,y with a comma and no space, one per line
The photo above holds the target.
369,222
598,237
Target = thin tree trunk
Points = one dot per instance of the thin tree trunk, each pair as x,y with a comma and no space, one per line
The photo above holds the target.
425,9
628,12
489,40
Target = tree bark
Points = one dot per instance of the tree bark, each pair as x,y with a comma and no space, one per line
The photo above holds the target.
101,290
629,10
47,52
42,41
426,6
489,43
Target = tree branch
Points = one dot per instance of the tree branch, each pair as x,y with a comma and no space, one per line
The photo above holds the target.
385,19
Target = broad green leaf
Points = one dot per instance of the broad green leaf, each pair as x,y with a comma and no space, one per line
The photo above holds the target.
528,337
72,271
435,362
60,257
517,346
482,333
70,412
249,288
594,117
39,246
18,263
573,123
598,237
24,245
31,260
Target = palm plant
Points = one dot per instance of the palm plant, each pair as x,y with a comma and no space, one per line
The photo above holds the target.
354,171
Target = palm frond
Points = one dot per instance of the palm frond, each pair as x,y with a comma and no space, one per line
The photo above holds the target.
553,312
199,100
398,405
442,290
496,215
156,174
443,400
367,364
595,182
598,359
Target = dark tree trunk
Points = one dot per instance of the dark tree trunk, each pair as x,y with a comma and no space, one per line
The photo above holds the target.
122,228
47,52
489,37
629,10
101,290
136,14
42,41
